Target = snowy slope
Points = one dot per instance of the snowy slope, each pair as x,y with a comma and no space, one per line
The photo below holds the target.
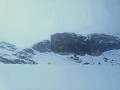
62,72
29,56
9,54
7,50
111,57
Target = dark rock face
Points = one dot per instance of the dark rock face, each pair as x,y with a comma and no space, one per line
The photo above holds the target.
4,60
93,44
43,46
25,55
7,46
105,42
29,51
16,61
68,43
92,47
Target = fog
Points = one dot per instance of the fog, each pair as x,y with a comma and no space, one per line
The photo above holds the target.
26,22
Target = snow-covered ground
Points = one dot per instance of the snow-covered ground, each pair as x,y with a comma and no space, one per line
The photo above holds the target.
61,72
59,77
111,57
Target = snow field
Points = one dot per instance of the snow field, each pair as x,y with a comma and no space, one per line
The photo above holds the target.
59,77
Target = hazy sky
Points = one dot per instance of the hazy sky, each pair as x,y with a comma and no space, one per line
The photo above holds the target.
25,22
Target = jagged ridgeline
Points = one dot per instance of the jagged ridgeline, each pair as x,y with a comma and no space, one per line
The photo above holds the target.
61,43
66,43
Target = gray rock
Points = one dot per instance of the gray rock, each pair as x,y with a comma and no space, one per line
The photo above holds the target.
43,46
93,44
16,61
7,46
68,43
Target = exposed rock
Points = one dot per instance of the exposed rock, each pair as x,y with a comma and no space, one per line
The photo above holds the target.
9,54
68,43
99,63
75,58
26,55
92,47
86,63
16,61
4,60
105,59
43,46
29,50
105,42
93,44
7,46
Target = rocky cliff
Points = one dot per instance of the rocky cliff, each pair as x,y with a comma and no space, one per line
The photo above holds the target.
93,44
68,43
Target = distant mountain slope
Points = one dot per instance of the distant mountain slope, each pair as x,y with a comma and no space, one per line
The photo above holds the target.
66,48
9,54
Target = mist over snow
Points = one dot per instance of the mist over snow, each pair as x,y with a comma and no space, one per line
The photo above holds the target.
66,61
25,22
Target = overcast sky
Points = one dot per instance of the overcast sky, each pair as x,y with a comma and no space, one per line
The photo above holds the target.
25,22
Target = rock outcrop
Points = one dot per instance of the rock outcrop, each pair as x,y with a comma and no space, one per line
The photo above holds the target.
7,46
43,46
9,54
16,61
105,42
68,43
93,44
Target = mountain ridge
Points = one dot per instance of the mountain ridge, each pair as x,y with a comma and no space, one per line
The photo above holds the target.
44,51
94,44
